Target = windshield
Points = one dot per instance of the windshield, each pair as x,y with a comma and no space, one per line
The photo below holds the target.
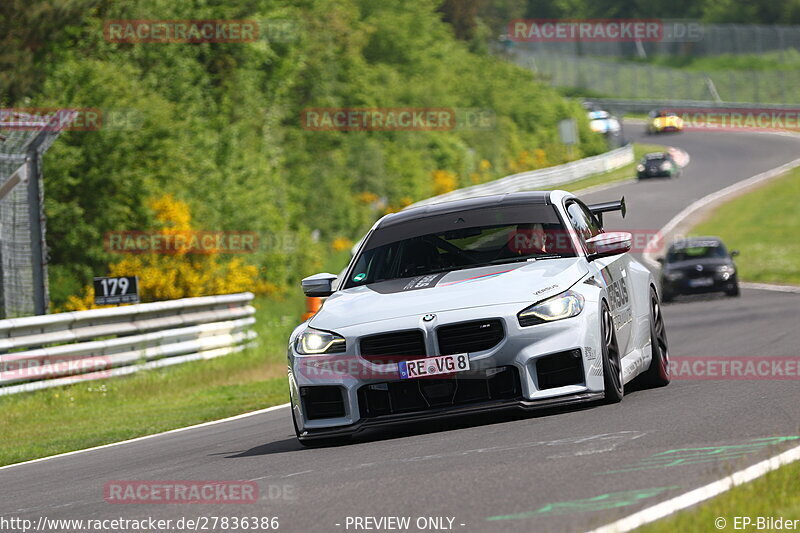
697,252
533,233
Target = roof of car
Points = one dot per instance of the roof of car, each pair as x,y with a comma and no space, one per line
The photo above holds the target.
443,208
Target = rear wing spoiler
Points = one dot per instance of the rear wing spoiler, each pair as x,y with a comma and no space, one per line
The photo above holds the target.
598,209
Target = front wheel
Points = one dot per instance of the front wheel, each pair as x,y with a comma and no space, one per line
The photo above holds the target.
733,292
657,375
612,361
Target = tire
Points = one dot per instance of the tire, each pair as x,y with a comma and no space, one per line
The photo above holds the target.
734,292
657,375
612,362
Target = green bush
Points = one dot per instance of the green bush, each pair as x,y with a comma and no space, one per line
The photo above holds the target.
218,124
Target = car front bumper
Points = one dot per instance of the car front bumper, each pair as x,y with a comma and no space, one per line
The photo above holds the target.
685,286
558,363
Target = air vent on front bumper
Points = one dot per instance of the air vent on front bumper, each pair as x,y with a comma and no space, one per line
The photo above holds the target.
560,369
322,402
419,395
392,347
472,336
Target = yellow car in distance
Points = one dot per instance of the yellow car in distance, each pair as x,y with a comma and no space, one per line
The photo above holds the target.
660,121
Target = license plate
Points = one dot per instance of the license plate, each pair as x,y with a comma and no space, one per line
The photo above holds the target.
433,366
701,282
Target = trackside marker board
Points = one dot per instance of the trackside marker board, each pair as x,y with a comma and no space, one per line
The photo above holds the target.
119,290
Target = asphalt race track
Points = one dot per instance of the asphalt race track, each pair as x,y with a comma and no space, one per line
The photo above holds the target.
567,470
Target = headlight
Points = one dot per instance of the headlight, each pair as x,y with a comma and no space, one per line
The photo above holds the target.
725,272
665,166
316,342
640,167
564,305
672,276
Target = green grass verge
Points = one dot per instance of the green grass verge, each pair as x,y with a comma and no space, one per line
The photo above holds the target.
764,226
62,419
621,174
776,494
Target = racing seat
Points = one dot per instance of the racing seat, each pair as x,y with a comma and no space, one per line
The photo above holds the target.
419,257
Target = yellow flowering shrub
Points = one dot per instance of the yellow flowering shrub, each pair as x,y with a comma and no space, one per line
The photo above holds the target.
540,158
444,181
341,243
179,274
367,197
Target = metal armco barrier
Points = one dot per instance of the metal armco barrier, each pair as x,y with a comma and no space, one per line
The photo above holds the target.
51,350
536,179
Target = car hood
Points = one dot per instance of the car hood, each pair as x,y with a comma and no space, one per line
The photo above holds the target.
528,282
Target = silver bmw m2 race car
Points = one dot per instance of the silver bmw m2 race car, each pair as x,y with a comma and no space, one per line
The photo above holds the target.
510,301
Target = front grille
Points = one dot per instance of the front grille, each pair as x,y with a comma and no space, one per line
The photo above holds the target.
468,337
322,402
392,347
560,370
693,273
411,395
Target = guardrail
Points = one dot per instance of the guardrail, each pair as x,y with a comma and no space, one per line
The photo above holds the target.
616,105
60,349
536,179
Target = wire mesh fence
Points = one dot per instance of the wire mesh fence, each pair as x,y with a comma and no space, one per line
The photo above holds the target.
24,138
690,38
605,77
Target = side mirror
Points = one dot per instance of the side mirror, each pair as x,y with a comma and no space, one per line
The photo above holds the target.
734,253
318,285
611,243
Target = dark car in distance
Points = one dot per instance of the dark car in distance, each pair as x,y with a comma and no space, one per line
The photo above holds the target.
657,164
698,265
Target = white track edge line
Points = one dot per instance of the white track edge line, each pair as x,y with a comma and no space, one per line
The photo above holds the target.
154,435
688,499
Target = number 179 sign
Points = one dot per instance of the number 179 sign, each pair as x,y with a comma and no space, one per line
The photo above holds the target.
112,291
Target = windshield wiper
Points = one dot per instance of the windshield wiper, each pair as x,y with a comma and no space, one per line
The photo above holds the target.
526,258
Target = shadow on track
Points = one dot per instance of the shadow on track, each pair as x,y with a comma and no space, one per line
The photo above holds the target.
412,429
